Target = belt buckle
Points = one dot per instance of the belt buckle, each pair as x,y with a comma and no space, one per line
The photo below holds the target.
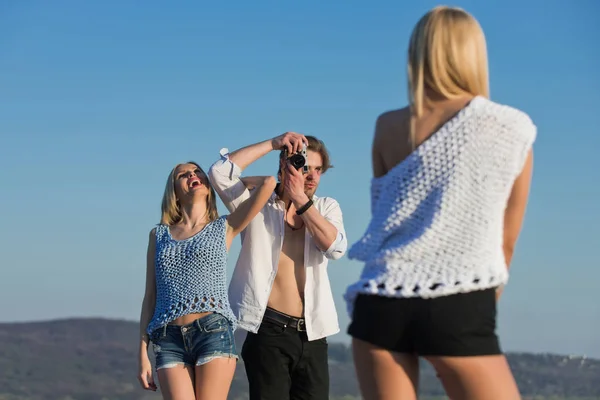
301,325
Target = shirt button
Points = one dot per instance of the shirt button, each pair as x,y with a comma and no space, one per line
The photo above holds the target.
184,329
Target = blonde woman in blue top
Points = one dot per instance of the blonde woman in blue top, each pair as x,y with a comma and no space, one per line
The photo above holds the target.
185,311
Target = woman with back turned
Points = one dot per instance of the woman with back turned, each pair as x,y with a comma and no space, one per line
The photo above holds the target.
185,312
451,180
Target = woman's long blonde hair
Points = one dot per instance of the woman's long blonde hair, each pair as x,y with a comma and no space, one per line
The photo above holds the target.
171,211
447,55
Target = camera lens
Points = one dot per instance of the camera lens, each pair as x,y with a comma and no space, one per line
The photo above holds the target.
297,161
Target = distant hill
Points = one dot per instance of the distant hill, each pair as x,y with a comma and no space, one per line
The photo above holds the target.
95,359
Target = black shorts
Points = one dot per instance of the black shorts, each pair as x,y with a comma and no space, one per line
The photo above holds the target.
456,325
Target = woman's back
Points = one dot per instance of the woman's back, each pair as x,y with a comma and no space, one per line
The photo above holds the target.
437,224
393,142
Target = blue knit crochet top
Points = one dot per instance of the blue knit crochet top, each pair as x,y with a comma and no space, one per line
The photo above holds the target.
191,274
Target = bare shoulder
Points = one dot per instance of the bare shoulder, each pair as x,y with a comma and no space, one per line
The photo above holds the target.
392,123
394,117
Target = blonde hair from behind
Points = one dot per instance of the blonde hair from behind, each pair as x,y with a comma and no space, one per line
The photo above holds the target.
170,210
447,55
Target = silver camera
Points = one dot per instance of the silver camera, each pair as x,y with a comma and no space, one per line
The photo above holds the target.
298,159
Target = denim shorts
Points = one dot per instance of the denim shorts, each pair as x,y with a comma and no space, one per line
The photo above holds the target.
194,344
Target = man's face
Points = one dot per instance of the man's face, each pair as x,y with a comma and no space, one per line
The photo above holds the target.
313,176
314,161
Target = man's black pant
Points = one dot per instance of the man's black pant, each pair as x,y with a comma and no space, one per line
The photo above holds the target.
282,364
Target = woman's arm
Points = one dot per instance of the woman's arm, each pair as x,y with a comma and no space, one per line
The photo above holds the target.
515,211
148,304
251,182
241,217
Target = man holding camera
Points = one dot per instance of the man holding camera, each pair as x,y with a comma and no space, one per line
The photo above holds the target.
280,289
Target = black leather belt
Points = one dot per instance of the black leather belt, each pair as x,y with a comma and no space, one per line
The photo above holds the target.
285,320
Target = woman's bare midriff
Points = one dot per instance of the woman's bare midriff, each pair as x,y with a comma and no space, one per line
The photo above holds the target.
189,318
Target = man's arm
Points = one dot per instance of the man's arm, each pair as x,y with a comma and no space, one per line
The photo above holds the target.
247,155
327,229
225,174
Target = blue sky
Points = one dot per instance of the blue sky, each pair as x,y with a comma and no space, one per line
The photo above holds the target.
99,100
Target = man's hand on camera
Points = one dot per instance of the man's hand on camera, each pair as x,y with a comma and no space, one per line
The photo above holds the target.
293,185
291,140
